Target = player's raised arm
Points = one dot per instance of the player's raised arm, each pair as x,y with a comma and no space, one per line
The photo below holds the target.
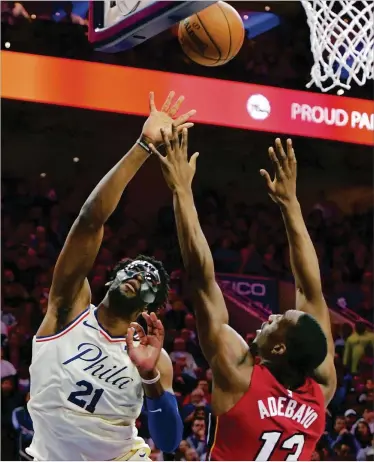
304,262
70,293
224,349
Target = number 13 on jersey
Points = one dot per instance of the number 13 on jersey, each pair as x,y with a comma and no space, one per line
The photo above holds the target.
271,443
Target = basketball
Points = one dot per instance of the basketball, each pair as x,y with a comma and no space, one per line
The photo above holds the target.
213,36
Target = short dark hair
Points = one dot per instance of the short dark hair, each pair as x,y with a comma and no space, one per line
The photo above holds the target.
306,345
360,327
198,419
162,294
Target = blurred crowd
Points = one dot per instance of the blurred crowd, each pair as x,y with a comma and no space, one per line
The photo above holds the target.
58,11
245,238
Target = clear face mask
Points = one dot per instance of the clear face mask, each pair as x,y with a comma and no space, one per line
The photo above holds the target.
149,279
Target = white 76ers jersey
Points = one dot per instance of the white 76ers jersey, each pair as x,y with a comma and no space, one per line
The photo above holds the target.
85,394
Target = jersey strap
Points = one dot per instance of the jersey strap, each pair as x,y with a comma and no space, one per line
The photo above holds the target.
212,434
68,328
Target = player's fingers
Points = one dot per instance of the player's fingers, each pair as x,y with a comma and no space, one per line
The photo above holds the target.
152,105
267,178
139,331
153,317
184,145
175,108
149,323
161,158
193,160
174,132
277,166
130,339
158,328
291,154
175,139
184,117
166,140
166,105
187,125
281,154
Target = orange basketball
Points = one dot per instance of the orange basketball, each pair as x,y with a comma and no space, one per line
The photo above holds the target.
213,36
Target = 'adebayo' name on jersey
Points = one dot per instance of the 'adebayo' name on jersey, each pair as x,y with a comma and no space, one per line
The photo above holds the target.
289,408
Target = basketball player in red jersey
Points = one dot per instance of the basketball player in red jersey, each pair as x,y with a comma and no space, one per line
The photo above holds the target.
274,410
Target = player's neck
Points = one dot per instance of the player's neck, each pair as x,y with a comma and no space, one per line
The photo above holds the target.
288,378
116,327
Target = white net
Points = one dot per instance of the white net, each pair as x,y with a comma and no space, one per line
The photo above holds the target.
342,42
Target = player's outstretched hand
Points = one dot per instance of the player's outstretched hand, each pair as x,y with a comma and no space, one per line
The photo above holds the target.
164,118
178,171
283,188
145,356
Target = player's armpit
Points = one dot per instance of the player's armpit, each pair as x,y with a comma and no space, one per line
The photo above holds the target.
325,374
225,350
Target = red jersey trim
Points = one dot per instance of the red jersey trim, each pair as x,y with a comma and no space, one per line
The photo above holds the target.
68,328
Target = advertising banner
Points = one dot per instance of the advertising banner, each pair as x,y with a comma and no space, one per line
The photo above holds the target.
260,292
105,87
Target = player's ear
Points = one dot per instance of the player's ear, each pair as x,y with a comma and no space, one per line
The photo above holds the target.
279,349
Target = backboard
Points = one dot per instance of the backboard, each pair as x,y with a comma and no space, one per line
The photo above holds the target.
119,25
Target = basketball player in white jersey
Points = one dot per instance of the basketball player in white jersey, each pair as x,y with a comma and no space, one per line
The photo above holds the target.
88,372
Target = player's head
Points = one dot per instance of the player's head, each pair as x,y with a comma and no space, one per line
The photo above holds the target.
360,327
293,341
136,285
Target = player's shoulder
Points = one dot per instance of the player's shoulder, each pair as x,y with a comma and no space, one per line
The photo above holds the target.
70,329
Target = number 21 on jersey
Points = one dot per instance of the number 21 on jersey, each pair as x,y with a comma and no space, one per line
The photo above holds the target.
86,389
271,443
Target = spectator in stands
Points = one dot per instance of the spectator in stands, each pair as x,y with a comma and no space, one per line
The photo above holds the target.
363,434
338,429
317,455
226,257
179,352
180,454
10,399
174,318
367,452
355,346
191,455
350,416
345,330
344,452
23,427
197,439
205,386
7,368
197,402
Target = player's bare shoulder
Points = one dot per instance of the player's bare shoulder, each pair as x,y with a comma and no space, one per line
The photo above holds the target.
232,369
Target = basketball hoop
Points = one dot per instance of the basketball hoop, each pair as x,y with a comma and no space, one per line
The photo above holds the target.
342,42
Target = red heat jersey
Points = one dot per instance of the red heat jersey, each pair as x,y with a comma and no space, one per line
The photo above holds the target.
269,422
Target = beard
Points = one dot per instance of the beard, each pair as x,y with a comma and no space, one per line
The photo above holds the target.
253,348
122,306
